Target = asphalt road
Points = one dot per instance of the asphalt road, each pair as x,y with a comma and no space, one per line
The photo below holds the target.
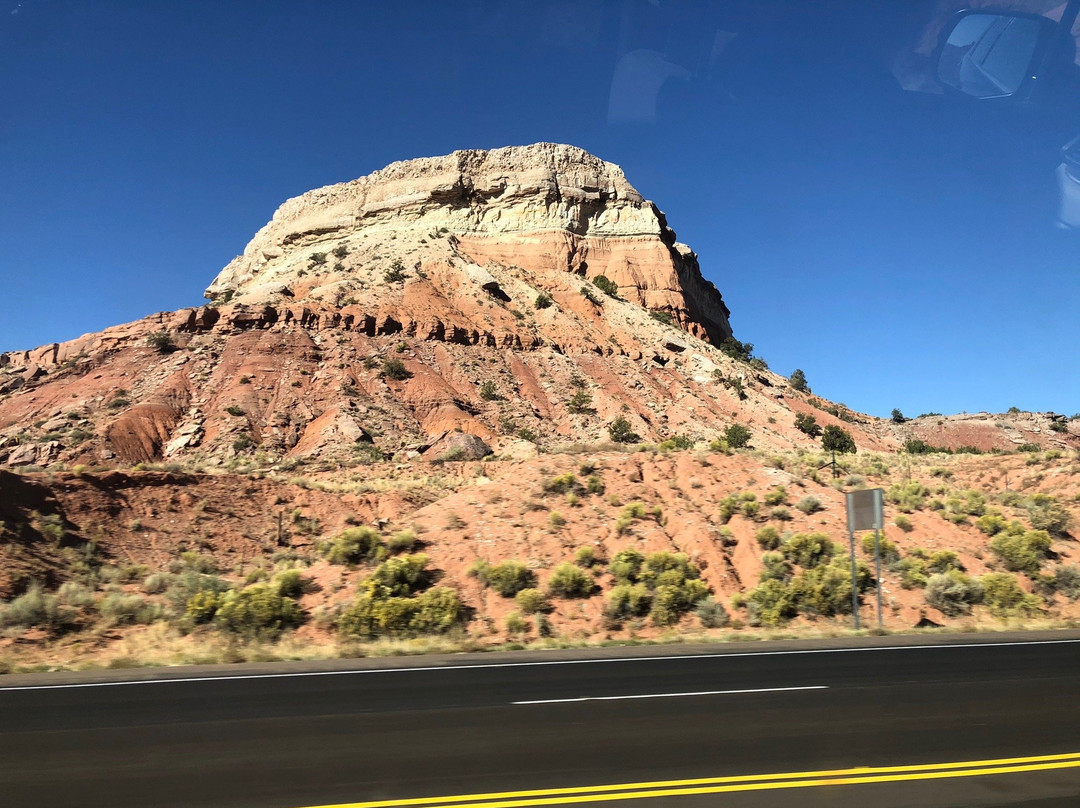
331,737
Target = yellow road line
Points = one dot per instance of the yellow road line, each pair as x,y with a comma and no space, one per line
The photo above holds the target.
716,785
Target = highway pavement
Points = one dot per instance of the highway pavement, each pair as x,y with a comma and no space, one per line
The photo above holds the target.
983,723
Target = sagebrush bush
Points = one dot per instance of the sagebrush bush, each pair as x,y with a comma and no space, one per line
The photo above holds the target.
768,537
712,614
508,578
907,497
355,545
890,553
1046,513
903,523
1004,597
808,549
125,610
1022,552
257,611
626,600
289,583
626,565
182,587
36,608
435,611
809,504
776,496
531,601
570,581
586,557
516,624
1066,580
953,593
403,541
400,576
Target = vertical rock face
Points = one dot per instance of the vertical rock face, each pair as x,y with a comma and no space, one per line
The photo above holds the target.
545,211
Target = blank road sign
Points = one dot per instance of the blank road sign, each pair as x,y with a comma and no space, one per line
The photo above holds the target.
864,509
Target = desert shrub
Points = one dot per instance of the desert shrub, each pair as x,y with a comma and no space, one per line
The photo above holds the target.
1046,513
671,601
543,300
187,584
580,403
943,561
667,568
316,259
396,273
355,545
771,603
953,593
289,583
488,391
435,611
1066,580
202,606
161,341
516,624
774,567
128,610
776,496
712,614
395,369
808,549
890,553
606,285
563,484
340,251
620,431
1004,597
531,601
908,496
826,589
913,573
75,594
594,485
903,523
798,381
664,317
569,581
1022,552
807,424
556,519
586,557
403,541
768,537
750,508
897,417
508,578
36,608
400,576
742,351
625,601
737,436
991,523
809,504
234,410
257,610
728,507
626,566
836,439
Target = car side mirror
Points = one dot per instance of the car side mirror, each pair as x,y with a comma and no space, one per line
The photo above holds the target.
995,55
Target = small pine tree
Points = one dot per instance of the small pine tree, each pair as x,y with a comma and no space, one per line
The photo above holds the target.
898,417
798,381
835,439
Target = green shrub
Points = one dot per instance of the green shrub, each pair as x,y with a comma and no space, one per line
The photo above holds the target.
234,411
435,611
508,578
580,403
1022,552
953,593
780,513
562,484
189,583
908,497
776,496
737,436
943,561
626,566
36,608
667,568
289,583
898,417
771,603
774,567
1066,580
712,614
543,300
586,557
516,624
890,553
1046,513
671,601
75,594
128,610
396,273
161,341
620,431
625,601
569,581
913,573
531,601
400,576
809,504
594,485
807,424
741,351
488,391
202,606
768,537
354,546
257,610
808,549
403,541
1003,595
316,259
798,381
903,523
395,369
835,439
606,285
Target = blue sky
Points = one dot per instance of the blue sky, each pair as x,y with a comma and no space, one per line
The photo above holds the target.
899,247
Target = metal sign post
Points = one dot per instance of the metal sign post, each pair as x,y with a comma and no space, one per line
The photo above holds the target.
865,511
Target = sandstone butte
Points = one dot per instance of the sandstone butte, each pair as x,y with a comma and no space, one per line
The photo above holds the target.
376,333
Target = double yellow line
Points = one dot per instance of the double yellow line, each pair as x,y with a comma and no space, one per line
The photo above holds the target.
718,785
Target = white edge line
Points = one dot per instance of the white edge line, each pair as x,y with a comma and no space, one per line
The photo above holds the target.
498,665
674,695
